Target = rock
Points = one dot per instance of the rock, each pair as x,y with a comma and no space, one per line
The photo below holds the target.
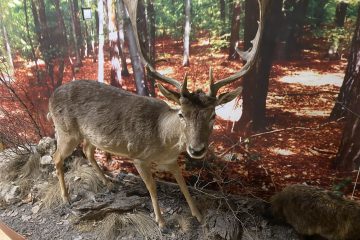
46,146
25,218
9,192
46,160
35,209
222,225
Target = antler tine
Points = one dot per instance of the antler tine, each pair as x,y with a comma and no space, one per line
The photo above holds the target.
249,56
131,7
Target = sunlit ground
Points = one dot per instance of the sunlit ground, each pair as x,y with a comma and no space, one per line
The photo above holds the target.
313,78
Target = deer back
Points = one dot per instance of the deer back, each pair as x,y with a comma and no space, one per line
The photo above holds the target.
114,120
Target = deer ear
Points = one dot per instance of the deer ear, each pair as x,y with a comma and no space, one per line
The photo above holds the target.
227,97
169,94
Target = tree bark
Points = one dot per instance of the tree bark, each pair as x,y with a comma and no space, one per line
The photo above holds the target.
34,58
187,30
120,33
295,19
257,81
235,27
340,13
7,45
348,157
342,103
320,12
101,41
138,68
62,42
151,45
76,32
115,72
222,15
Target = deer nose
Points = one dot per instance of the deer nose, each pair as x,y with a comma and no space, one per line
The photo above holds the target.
198,150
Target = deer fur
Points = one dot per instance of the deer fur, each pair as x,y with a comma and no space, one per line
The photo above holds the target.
142,128
314,211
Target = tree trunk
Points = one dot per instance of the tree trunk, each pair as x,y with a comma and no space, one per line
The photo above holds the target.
235,27
44,32
320,12
348,157
144,39
222,16
7,45
75,32
151,48
120,33
257,81
101,41
79,36
115,72
138,68
351,76
340,14
34,58
62,42
187,30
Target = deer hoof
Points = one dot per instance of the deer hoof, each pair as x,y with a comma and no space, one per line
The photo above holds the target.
198,217
66,200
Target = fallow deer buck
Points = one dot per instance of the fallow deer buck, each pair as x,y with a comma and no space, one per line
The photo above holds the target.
145,129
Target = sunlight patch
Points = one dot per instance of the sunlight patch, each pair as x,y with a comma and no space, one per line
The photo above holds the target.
312,112
283,152
311,78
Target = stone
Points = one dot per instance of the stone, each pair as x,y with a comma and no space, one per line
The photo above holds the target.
9,192
46,160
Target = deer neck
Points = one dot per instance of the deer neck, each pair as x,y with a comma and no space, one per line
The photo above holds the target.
171,130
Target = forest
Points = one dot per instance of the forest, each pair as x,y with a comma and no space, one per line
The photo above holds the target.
297,120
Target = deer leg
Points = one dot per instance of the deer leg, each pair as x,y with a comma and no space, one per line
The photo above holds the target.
65,147
89,151
175,170
144,170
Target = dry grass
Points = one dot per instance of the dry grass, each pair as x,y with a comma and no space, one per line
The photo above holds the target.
115,226
81,179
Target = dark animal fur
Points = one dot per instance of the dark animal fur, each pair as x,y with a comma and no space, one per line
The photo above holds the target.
313,211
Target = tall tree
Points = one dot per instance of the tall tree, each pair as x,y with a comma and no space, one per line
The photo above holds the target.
235,27
320,11
34,58
101,41
342,103
115,72
120,34
340,14
138,68
61,40
6,41
75,23
348,157
187,30
257,81
295,15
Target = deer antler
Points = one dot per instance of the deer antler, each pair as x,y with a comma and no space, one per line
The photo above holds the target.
131,6
249,56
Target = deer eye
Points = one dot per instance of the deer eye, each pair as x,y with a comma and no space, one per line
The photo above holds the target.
181,116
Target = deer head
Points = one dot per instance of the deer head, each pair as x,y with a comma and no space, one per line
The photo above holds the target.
197,109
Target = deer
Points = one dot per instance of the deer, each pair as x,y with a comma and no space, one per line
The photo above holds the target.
145,129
